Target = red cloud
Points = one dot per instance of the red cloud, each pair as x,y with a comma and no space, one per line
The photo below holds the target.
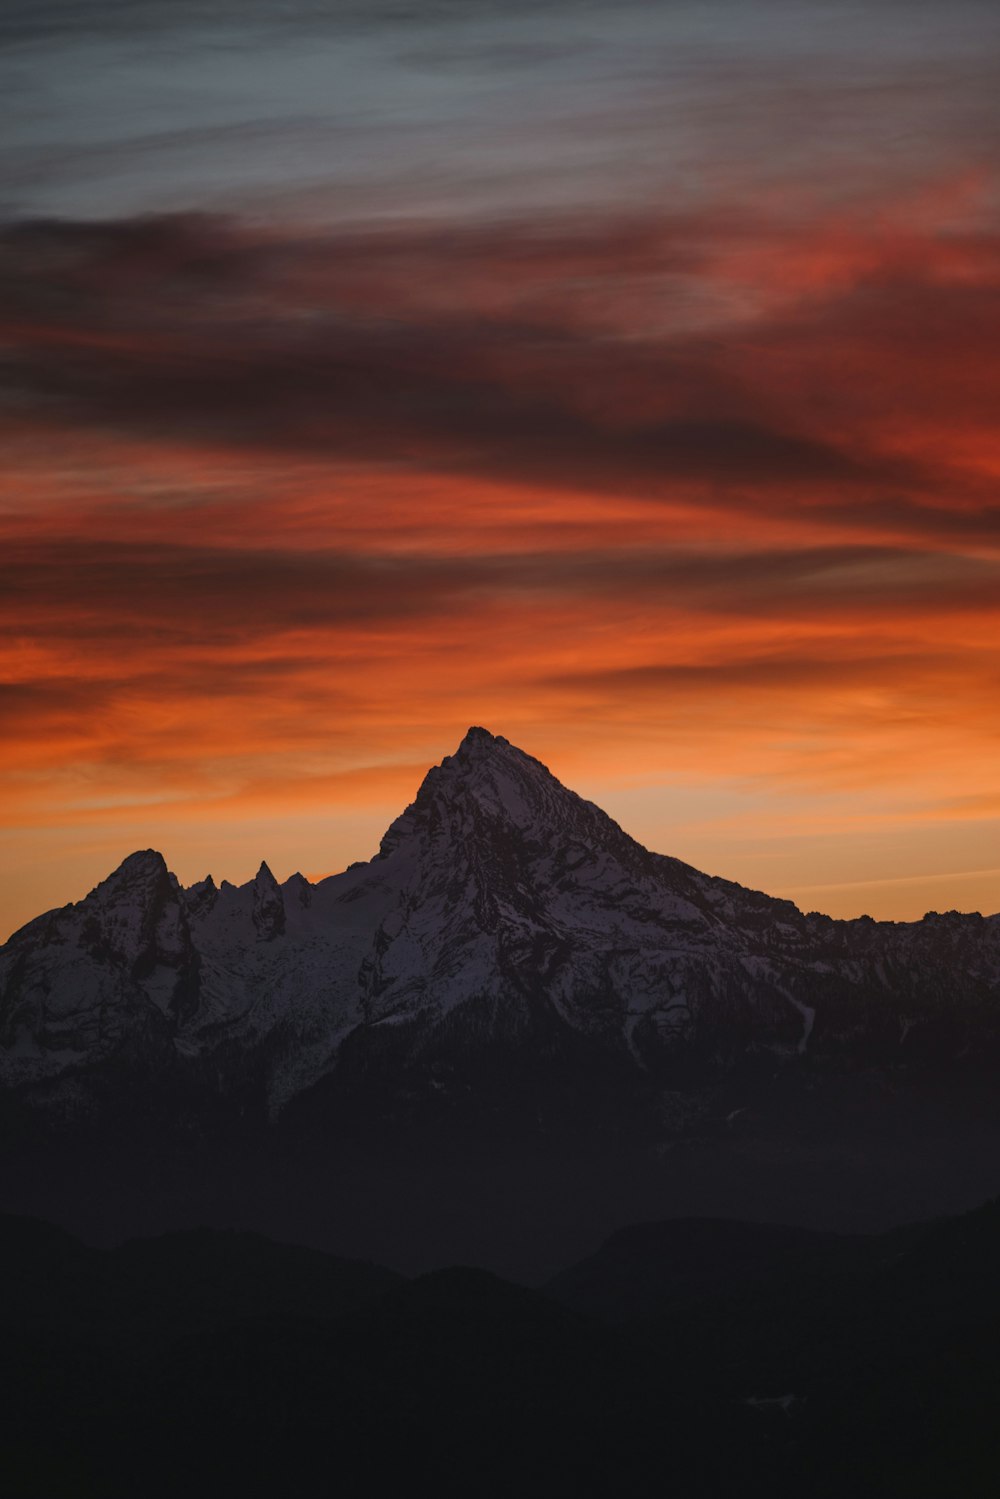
714,490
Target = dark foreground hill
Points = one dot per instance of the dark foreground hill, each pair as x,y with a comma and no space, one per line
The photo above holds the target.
693,1358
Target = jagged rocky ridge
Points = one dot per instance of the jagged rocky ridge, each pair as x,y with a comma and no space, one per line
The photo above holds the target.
502,912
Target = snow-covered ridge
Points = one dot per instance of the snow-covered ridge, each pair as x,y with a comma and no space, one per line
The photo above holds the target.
499,903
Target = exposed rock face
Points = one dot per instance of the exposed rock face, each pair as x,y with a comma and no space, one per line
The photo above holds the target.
113,974
268,905
501,910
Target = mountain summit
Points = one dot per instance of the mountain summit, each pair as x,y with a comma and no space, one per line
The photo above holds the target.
488,782
503,916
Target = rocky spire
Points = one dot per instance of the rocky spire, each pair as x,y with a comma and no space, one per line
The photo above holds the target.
268,905
488,782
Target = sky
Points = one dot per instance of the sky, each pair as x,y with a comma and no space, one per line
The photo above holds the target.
623,378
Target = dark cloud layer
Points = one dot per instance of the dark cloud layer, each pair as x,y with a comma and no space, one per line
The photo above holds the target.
101,587
469,354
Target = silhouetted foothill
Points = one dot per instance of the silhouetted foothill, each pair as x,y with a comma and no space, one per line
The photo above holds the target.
751,1358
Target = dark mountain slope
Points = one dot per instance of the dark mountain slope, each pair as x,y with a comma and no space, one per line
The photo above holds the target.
791,1364
877,1357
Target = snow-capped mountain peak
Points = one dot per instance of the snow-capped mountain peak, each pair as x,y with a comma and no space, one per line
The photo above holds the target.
500,904
488,786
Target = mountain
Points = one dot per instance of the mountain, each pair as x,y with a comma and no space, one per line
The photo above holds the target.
717,1357
206,1362
153,1292
511,972
875,1357
652,1271
499,904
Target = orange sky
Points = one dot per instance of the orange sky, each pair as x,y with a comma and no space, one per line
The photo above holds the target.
739,582
692,495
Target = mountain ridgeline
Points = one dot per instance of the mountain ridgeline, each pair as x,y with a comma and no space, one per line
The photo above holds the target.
710,1357
510,975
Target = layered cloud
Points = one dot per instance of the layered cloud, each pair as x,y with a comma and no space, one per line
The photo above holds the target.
316,475
648,361
677,465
